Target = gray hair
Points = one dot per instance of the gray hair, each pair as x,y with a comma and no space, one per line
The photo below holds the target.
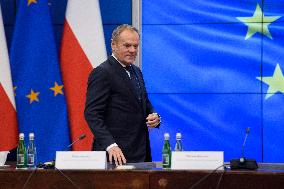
117,31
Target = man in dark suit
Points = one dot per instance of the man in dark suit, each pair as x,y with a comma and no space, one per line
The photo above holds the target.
117,109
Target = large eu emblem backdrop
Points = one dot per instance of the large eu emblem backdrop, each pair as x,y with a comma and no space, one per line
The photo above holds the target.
214,68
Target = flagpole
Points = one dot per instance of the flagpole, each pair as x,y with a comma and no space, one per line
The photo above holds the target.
137,22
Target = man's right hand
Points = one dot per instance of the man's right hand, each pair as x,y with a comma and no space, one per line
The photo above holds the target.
116,154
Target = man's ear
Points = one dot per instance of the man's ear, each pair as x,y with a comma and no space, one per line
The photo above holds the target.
113,46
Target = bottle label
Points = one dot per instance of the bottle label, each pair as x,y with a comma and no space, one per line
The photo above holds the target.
166,159
31,159
21,159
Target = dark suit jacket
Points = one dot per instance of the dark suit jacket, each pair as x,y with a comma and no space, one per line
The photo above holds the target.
114,113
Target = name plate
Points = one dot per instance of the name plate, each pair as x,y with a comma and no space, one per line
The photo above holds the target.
80,160
197,160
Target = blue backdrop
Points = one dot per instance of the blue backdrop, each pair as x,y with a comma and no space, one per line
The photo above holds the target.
202,71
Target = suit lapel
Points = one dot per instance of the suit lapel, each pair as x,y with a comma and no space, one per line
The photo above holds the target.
119,70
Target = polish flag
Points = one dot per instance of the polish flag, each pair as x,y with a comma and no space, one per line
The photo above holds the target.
8,117
82,49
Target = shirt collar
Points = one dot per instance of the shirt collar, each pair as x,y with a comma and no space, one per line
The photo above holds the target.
117,60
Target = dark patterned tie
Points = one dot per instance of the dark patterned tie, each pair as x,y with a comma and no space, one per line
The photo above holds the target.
135,83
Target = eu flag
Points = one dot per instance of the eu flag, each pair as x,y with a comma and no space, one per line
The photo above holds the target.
219,70
40,101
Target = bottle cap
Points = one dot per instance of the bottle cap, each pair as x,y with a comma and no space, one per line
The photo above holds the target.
167,136
31,135
21,135
178,136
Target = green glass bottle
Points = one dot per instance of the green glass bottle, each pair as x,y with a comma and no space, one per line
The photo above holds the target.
166,152
21,152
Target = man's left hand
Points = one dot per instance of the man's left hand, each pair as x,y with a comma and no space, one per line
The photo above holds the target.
153,120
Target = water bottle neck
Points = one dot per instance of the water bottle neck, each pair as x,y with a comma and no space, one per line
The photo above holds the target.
21,143
31,145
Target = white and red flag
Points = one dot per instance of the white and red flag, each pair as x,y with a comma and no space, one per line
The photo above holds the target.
82,49
8,115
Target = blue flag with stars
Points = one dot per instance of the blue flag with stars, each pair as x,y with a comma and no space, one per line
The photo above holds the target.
213,68
40,100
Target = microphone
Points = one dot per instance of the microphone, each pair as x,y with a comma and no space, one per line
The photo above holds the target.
243,163
244,143
81,137
51,164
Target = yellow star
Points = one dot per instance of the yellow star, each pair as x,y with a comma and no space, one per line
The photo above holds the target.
33,96
276,82
258,23
57,89
31,1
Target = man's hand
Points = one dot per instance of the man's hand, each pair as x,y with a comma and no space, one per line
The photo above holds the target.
116,154
153,120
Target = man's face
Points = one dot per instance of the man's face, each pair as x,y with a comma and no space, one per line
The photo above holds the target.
125,47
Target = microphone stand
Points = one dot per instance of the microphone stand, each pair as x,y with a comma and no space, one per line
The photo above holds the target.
243,163
51,164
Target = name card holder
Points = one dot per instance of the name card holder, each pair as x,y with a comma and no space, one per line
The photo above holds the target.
80,160
197,160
